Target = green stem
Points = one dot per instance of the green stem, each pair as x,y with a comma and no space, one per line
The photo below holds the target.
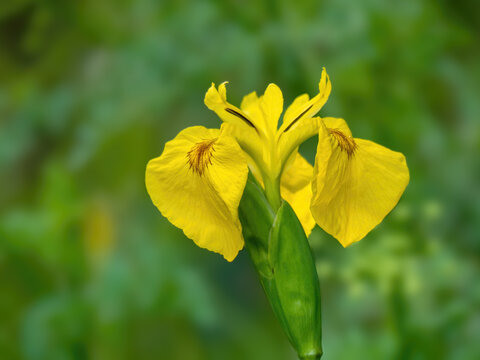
272,192
311,357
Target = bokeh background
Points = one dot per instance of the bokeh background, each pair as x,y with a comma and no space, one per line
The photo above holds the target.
91,90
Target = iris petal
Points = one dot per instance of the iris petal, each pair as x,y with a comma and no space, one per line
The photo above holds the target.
354,191
291,140
294,108
303,110
216,100
197,184
296,189
245,127
251,107
272,107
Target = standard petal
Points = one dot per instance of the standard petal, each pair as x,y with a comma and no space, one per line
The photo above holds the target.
197,184
272,107
266,110
296,189
356,184
251,107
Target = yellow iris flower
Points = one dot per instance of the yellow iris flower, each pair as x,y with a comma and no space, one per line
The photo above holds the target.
197,183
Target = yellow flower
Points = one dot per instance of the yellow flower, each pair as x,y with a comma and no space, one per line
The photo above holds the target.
198,181
272,150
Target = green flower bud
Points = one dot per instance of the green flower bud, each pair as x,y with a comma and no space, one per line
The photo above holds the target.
279,249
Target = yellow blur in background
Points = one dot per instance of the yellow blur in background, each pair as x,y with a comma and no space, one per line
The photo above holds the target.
91,90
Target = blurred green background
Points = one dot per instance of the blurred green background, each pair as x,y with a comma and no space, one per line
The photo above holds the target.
91,90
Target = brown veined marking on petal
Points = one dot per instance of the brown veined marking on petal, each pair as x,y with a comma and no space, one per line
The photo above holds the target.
241,116
346,143
200,156
297,118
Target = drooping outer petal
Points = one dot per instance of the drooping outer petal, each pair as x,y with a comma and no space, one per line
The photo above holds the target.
197,184
296,189
337,124
356,183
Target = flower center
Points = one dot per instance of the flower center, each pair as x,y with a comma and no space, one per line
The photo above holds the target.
200,156
346,143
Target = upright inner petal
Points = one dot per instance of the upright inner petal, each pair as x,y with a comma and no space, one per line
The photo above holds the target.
271,104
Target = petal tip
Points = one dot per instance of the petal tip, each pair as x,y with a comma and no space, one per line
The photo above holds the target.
230,258
347,243
324,81
273,90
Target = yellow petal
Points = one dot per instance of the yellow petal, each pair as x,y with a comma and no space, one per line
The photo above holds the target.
293,137
251,107
216,100
294,107
296,189
246,128
197,184
252,145
356,184
272,107
338,124
298,121
304,110
265,110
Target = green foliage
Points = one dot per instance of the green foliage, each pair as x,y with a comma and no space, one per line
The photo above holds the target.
91,90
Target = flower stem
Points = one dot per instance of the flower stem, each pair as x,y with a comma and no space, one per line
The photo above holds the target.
272,192
311,357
